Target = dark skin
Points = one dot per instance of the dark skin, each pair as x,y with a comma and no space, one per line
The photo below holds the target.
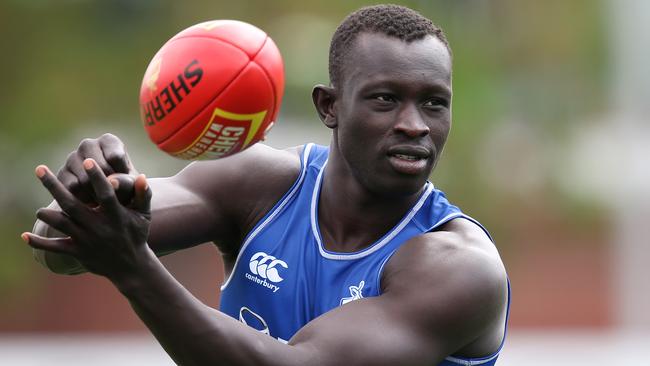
443,292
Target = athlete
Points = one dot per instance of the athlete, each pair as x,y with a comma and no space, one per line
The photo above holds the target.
339,255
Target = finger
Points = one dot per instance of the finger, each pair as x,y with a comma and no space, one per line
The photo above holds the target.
115,153
57,220
142,198
90,148
57,245
124,185
68,203
74,178
103,190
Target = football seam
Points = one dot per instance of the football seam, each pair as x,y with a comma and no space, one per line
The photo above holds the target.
237,75
269,78
199,110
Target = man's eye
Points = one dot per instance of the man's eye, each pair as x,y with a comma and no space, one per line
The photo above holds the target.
384,98
436,102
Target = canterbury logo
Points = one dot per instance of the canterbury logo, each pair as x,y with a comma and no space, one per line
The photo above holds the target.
265,266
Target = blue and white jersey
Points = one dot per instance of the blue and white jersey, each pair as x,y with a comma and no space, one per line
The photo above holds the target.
284,277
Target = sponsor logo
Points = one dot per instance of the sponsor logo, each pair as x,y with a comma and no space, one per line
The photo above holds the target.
265,270
355,293
165,101
225,133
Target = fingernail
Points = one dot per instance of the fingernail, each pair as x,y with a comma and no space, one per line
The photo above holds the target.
25,237
40,171
146,184
115,183
88,164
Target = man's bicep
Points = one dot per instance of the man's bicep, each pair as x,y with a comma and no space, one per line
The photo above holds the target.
180,217
437,300
219,200
371,331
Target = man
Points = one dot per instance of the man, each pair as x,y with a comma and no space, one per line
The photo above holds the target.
334,256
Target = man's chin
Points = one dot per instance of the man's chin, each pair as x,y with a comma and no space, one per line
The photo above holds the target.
400,187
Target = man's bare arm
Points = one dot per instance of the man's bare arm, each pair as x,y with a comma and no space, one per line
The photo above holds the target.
207,201
437,304
175,208
441,292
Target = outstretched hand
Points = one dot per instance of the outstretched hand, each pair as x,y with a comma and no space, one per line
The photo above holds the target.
108,239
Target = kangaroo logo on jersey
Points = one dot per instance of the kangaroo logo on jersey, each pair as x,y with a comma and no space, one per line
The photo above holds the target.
356,293
266,267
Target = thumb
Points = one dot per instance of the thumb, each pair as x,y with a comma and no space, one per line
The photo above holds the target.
142,197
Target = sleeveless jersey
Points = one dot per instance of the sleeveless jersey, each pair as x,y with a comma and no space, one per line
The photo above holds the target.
283,276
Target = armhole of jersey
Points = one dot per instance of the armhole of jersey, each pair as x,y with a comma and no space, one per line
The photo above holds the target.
471,361
381,270
460,360
277,208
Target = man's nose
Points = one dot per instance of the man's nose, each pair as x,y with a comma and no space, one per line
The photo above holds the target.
411,123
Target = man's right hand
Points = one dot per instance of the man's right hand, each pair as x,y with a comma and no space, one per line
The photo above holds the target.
194,206
110,154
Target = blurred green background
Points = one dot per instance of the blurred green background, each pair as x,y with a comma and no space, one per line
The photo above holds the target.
546,150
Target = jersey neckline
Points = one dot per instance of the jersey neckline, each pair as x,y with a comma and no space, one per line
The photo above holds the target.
380,243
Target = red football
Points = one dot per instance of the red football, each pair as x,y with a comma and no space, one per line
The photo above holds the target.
212,90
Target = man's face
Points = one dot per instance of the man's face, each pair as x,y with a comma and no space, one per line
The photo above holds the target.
393,111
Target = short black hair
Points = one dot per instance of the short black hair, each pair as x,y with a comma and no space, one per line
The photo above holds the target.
391,20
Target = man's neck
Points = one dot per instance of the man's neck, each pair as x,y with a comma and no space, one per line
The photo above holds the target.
350,217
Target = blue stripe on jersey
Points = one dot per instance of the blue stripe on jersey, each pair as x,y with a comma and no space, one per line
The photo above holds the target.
283,277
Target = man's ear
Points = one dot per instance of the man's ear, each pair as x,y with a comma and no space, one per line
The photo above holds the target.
324,98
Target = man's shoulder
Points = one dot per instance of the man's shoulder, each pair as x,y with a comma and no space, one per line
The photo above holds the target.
458,242
454,278
244,168
244,186
261,155
459,250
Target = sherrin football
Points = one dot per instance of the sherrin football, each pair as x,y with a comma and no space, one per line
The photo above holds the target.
212,90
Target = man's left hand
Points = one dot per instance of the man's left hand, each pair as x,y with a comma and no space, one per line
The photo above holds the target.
108,239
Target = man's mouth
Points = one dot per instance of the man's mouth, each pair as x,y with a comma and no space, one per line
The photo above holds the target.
408,159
